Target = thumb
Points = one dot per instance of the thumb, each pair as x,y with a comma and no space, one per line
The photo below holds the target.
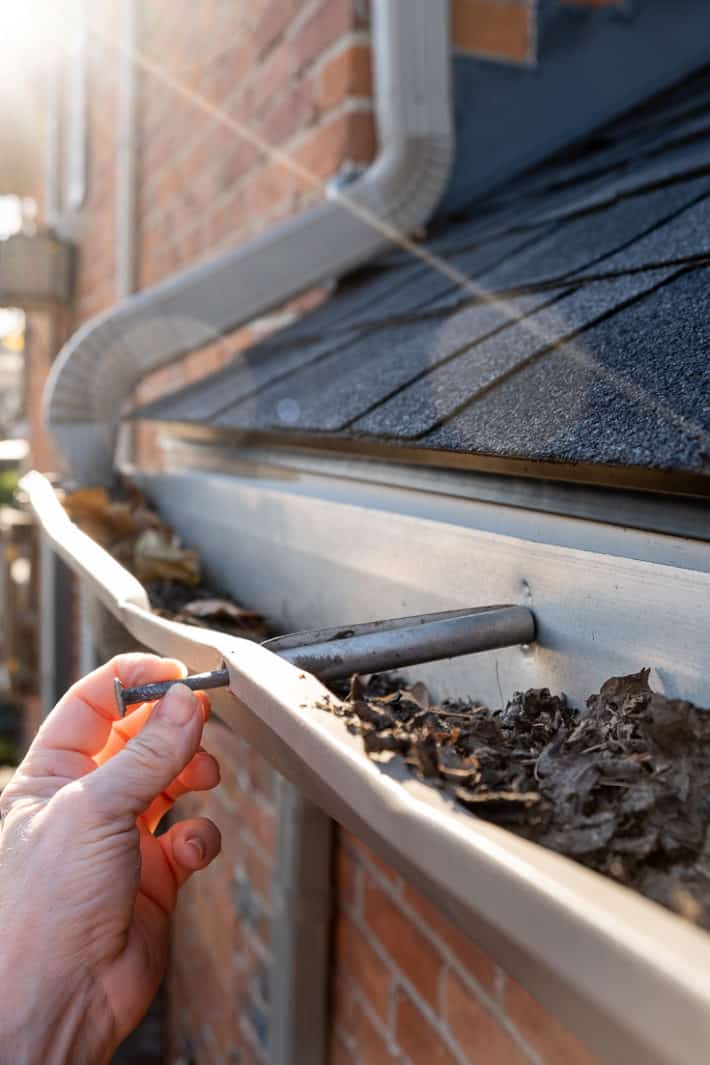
127,783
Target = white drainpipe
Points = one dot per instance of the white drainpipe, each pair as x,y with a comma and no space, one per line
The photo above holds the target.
99,367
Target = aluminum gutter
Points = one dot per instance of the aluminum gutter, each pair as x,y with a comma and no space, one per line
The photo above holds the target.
630,978
608,601
98,368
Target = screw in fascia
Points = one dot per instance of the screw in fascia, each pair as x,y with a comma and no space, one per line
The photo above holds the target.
147,693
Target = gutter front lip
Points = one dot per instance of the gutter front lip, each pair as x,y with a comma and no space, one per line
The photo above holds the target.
633,978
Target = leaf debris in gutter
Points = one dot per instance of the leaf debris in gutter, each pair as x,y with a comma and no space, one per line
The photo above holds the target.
124,523
623,788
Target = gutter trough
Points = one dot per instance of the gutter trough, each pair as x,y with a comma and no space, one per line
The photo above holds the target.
629,978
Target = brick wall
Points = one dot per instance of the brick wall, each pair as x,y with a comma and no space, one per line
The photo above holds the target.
96,273
296,74
299,76
218,982
410,989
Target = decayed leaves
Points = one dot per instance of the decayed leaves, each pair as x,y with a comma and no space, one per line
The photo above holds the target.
107,521
623,787
199,606
157,556
134,534
172,574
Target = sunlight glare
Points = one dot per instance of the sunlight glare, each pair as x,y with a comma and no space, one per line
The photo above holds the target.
31,30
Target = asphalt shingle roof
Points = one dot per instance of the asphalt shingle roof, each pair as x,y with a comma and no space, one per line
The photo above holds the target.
583,342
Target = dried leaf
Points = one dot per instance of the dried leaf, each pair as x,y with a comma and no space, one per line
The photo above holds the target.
156,557
221,609
99,517
623,788
135,535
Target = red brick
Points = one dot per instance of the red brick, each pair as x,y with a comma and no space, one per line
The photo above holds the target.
349,136
409,950
344,1002
259,821
555,1043
474,961
362,851
370,1046
268,190
347,73
275,19
501,28
330,20
261,774
346,874
228,220
295,112
361,965
338,1053
233,64
274,77
422,1044
258,870
476,1031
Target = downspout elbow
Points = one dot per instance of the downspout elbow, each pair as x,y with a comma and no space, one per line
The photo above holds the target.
97,370
412,74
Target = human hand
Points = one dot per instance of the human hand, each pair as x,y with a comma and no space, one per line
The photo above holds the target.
86,889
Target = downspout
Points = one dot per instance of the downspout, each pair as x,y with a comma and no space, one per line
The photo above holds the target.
99,367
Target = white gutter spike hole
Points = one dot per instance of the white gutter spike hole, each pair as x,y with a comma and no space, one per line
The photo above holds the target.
100,366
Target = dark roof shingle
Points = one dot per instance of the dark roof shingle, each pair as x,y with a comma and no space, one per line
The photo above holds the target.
582,341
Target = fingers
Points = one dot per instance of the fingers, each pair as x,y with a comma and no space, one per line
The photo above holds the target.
201,774
184,849
128,783
125,728
81,721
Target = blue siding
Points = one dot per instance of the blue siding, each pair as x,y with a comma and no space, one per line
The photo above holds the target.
592,66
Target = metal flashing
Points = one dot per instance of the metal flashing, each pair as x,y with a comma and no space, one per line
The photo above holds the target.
687,518
631,478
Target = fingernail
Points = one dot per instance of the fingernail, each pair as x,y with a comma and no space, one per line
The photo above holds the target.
196,843
178,705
